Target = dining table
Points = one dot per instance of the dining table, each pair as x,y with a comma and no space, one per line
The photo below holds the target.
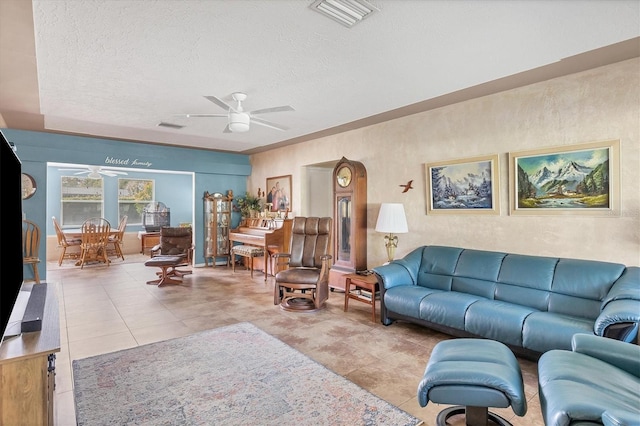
76,234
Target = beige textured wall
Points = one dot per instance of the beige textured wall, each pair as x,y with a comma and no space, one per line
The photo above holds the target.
596,105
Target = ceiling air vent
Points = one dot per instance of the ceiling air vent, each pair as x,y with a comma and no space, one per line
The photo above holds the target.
169,125
345,12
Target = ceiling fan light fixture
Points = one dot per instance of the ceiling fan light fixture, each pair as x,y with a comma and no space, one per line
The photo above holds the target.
239,122
345,12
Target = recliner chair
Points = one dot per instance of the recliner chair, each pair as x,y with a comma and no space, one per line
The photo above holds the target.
597,383
304,286
175,241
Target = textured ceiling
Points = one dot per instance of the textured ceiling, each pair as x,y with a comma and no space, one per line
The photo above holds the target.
116,68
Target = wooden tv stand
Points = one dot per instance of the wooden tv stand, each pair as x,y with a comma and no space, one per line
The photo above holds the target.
27,370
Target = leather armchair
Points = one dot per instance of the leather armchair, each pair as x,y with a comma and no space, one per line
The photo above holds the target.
598,383
304,286
175,241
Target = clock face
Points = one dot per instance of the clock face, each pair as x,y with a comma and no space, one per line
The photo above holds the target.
28,186
344,176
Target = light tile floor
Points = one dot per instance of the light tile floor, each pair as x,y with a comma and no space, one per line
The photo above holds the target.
105,309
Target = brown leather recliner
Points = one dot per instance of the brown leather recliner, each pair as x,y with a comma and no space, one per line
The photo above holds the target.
175,241
304,286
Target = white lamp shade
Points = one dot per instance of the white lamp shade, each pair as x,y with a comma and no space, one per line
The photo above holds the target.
391,219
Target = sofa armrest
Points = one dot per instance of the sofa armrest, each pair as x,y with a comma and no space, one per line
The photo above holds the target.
394,274
625,356
619,418
621,305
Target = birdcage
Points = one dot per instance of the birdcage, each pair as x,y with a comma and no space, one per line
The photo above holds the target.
155,216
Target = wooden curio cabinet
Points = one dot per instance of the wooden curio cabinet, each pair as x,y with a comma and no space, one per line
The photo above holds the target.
349,221
217,221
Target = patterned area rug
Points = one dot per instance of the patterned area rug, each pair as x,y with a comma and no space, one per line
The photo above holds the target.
234,375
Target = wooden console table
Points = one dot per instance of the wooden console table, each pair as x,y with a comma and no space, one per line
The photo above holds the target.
27,370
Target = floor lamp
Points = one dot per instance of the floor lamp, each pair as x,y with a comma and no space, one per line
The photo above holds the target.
391,220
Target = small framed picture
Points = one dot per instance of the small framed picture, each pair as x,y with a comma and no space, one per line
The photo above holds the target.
279,193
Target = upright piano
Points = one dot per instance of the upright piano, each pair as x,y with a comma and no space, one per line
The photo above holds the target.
265,233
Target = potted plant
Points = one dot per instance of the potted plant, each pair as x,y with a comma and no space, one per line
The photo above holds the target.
248,206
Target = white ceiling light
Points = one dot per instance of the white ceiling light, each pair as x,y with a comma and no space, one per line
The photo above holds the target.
345,12
238,122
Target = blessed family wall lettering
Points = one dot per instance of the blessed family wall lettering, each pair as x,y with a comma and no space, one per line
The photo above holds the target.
127,162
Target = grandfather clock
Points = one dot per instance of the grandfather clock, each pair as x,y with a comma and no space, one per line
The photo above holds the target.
349,221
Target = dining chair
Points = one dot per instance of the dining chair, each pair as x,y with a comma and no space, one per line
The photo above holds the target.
31,246
95,238
116,241
65,243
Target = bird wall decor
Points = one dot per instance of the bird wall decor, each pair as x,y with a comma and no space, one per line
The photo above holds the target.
407,186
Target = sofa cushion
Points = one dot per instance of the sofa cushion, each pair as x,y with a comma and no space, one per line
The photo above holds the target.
437,266
528,271
543,331
447,308
585,280
519,295
405,299
480,264
497,320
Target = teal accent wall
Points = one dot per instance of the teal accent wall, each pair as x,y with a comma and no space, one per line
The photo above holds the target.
207,171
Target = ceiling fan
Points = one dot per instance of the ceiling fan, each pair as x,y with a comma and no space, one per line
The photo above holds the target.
239,120
94,172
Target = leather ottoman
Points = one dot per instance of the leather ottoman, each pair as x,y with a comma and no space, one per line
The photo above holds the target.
473,374
164,263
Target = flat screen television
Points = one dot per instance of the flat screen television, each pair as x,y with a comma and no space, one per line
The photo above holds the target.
11,274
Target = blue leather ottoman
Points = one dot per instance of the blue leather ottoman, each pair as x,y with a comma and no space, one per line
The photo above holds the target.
473,374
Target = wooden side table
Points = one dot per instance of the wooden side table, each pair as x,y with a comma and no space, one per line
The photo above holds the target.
148,240
366,282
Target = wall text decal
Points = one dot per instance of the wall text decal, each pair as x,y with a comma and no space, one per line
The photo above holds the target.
126,162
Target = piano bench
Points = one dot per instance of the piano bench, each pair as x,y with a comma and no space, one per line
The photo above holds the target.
246,251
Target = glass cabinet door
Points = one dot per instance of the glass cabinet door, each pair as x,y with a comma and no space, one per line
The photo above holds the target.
217,220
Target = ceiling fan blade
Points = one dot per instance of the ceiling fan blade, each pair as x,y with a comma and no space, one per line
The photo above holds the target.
82,173
269,124
222,104
272,109
201,115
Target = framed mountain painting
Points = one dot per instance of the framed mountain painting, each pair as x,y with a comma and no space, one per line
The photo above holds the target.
572,180
468,185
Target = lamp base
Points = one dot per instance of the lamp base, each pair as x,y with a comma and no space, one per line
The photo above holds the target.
391,242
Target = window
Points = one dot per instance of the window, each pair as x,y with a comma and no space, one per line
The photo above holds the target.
133,197
82,198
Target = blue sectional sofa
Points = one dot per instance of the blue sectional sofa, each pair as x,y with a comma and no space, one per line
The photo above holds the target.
530,303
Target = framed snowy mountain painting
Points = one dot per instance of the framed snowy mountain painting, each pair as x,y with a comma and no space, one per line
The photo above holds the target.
469,185
575,179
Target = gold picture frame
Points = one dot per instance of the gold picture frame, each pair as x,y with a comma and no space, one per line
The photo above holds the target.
581,179
464,186
278,191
